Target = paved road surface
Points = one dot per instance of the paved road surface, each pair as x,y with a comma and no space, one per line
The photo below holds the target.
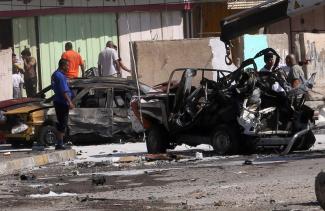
118,177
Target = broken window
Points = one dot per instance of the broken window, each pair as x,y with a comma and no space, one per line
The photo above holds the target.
94,98
121,98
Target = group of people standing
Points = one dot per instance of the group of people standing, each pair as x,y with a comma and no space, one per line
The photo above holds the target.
109,64
25,75
295,74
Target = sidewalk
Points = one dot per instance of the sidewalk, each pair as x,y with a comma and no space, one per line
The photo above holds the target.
12,160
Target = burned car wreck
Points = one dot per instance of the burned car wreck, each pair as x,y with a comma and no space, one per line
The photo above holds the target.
102,110
237,112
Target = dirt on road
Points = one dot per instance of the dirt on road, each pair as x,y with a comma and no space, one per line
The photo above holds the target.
204,182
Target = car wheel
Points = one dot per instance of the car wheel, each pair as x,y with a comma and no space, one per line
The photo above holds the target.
47,135
224,140
320,189
305,142
308,140
157,140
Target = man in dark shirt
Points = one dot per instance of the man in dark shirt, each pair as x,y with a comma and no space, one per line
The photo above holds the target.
30,76
62,100
295,74
269,62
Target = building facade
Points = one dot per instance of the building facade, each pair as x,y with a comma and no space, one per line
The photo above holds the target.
45,26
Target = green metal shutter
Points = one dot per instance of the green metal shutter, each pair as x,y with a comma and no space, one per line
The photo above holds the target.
24,35
87,32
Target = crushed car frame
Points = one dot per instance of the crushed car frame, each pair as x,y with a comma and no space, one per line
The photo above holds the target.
237,112
102,108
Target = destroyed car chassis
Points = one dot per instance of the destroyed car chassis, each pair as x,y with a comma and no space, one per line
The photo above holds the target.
236,112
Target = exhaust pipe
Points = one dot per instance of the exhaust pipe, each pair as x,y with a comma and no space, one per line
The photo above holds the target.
294,138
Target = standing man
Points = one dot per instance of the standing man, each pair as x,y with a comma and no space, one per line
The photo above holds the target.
108,61
62,100
269,62
75,61
30,76
296,74
17,80
122,66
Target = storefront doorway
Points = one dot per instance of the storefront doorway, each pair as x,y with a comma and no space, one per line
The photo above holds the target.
6,34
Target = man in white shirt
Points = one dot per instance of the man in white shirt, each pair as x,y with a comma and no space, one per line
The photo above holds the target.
108,61
17,80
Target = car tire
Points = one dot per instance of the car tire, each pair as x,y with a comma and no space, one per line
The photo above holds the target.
320,189
305,142
308,140
47,135
157,139
225,140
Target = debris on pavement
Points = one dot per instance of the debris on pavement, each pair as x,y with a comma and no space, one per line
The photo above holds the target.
167,157
199,155
27,177
7,154
75,173
52,194
98,180
248,162
127,159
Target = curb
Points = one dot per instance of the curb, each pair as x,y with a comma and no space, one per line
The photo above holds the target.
11,166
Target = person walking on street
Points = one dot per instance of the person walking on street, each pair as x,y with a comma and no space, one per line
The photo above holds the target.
30,76
296,74
108,61
62,100
75,60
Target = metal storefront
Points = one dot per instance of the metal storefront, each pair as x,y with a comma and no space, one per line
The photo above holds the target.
24,35
142,26
87,32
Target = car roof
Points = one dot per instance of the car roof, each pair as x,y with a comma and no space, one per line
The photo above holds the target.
102,82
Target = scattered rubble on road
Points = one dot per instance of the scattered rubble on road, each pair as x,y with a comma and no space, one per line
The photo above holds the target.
186,178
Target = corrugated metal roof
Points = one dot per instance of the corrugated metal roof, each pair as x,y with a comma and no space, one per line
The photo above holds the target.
243,4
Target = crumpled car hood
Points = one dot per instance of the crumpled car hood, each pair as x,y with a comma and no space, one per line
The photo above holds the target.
24,110
17,103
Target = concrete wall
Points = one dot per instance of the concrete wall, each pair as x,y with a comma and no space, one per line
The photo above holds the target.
155,60
249,45
313,49
311,21
140,26
6,74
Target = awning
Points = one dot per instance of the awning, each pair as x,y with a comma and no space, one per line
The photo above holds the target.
253,18
243,4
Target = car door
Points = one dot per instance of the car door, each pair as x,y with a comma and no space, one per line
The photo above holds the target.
92,114
120,105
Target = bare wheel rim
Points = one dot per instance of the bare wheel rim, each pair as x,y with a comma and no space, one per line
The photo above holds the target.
50,137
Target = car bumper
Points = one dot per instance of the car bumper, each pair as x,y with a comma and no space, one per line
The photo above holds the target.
27,135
